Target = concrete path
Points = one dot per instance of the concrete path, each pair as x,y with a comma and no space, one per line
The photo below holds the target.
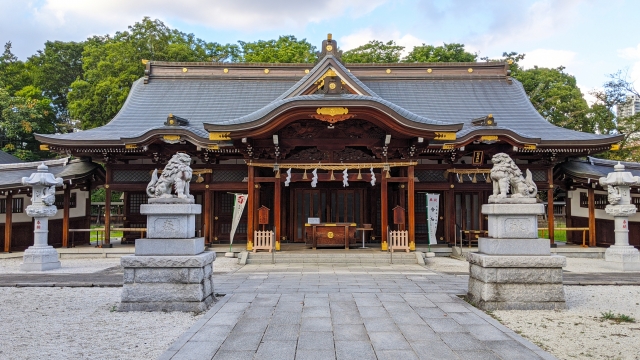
346,312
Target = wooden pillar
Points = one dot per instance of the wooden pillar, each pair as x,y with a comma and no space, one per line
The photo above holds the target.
65,215
277,210
411,195
592,217
8,222
250,205
550,219
206,220
567,216
107,216
450,215
384,210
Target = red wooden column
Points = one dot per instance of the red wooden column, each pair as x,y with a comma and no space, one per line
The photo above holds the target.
206,220
277,210
384,210
107,217
550,219
8,221
65,215
411,195
250,205
592,217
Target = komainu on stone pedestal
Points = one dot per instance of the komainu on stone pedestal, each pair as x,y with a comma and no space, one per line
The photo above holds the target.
170,270
514,269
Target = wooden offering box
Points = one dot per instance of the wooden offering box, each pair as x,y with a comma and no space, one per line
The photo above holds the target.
330,235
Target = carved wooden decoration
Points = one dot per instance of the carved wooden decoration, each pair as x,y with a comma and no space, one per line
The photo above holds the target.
310,154
351,154
332,119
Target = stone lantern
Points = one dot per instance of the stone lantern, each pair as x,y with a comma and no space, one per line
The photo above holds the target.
41,256
621,255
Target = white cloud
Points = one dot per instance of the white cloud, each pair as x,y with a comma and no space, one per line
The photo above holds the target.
632,54
548,58
363,36
246,15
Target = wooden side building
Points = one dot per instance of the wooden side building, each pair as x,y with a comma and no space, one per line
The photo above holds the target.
417,128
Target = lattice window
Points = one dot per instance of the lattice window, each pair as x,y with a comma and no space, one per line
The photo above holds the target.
226,203
600,201
135,200
636,201
131,176
431,175
539,175
228,175
60,201
421,203
18,204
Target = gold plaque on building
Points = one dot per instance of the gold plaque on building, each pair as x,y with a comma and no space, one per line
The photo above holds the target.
332,111
219,136
530,146
478,158
445,136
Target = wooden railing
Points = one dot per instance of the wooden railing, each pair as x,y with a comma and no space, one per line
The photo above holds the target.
583,229
263,240
399,240
477,233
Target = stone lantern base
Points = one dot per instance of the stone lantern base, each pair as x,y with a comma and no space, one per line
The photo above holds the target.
40,258
623,258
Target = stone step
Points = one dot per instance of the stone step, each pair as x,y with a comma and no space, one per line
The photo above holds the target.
301,261
336,258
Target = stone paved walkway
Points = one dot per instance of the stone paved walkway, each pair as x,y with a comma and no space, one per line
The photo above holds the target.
325,311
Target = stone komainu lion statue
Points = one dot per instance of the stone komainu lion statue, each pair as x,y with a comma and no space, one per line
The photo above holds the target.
507,177
177,174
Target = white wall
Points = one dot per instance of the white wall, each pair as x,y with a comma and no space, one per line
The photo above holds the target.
578,211
78,211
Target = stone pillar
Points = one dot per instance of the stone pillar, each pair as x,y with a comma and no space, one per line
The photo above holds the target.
621,255
41,256
513,268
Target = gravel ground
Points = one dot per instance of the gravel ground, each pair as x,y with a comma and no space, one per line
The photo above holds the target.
579,332
69,266
79,323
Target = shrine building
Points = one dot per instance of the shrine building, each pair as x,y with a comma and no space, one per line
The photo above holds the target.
286,135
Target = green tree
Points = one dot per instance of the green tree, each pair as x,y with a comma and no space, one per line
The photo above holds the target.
445,53
374,51
56,68
287,49
112,63
14,74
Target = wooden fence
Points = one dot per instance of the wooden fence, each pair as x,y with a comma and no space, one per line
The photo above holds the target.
399,240
263,240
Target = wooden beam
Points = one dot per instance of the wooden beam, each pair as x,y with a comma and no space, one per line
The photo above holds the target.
206,198
250,208
277,211
550,219
107,216
65,215
592,216
384,211
8,222
411,204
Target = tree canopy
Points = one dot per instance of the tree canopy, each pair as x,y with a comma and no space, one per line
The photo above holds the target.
287,49
445,53
374,52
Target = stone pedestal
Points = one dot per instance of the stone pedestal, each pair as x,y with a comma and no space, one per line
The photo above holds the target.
167,283
514,269
170,270
516,282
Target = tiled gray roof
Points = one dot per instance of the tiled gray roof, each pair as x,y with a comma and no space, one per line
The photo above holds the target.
267,109
8,158
594,168
10,178
460,101
200,101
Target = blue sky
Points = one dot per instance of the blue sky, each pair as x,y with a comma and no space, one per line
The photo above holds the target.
590,38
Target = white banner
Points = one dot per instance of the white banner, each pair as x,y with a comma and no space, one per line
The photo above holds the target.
433,204
238,207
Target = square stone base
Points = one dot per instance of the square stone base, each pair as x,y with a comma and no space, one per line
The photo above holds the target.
40,259
622,258
167,283
491,246
516,282
151,247
513,221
